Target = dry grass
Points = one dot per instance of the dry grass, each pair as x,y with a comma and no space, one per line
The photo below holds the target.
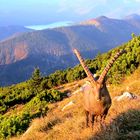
122,122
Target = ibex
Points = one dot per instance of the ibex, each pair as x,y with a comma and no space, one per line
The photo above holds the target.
97,100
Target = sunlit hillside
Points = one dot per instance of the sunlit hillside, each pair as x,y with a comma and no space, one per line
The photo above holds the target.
121,123
69,70
34,109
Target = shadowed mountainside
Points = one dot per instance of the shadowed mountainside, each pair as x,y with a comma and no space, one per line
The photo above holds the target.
12,30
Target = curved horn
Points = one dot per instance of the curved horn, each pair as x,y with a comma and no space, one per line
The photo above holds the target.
105,71
86,69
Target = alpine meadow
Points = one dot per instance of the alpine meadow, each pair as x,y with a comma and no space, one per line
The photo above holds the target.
69,70
42,97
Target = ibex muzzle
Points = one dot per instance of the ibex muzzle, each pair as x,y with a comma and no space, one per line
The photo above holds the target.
97,100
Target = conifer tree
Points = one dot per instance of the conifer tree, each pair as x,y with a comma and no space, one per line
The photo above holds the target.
36,79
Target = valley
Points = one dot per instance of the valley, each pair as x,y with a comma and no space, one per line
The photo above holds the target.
51,49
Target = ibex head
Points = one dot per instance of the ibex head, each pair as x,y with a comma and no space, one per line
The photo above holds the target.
98,84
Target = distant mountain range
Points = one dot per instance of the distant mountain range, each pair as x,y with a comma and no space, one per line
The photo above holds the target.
51,49
134,20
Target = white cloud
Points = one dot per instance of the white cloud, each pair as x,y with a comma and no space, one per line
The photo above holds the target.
116,9
137,0
81,7
131,1
120,12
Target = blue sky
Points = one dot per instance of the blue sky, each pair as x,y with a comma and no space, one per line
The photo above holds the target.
32,12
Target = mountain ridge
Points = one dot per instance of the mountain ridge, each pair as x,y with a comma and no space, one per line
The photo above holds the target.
51,49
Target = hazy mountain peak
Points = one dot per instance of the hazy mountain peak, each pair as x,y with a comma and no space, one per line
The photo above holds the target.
96,21
133,19
90,22
133,16
102,18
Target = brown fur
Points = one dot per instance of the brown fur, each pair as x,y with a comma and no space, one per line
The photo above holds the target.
97,100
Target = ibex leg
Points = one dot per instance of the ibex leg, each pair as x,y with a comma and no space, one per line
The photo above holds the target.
92,120
87,118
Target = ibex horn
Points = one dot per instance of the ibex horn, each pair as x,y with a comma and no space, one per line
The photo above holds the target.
86,69
105,71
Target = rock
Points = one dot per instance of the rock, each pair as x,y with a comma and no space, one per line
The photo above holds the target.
67,105
125,95
68,94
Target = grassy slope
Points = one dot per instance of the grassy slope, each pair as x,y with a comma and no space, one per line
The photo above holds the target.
122,121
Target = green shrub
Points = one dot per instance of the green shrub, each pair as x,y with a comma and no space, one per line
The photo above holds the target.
14,125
